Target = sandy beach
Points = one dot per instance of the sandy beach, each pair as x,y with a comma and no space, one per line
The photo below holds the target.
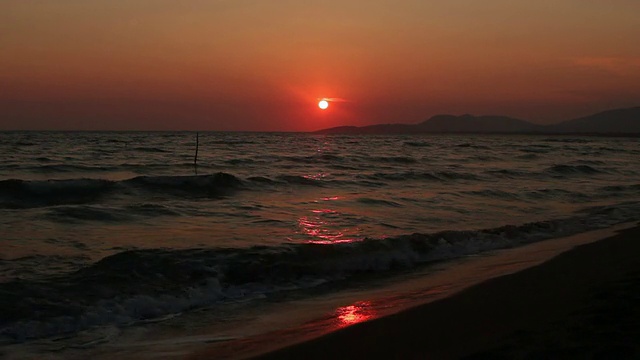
580,304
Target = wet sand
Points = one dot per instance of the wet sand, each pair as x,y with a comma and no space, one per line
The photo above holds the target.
584,303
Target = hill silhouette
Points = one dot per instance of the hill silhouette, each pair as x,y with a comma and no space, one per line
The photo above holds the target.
480,124
611,121
617,121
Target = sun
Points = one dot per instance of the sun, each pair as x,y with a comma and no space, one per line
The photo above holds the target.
323,104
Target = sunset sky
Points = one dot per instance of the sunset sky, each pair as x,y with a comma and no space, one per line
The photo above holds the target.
264,64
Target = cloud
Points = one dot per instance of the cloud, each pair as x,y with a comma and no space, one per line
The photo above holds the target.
334,99
615,65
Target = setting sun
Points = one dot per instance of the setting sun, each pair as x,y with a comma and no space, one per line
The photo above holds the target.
323,104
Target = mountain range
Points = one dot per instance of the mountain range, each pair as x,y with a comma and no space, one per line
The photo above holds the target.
617,121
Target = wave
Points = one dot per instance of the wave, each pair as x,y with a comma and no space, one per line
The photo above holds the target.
557,194
381,202
322,158
394,159
590,162
240,161
534,150
472,146
142,285
333,159
65,168
261,179
149,210
565,169
528,157
229,142
568,140
585,167
493,194
150,149
507,173
300,180
79,213
71,214
28,194
38,266
412,175
620,190
25,143
417,143
196,185
634,187
538,194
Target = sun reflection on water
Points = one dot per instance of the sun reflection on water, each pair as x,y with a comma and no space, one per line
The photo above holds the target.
320,230
318,176
326,225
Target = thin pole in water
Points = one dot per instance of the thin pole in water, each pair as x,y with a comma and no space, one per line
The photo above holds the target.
195,158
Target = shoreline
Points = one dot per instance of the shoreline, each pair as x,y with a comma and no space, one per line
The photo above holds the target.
554,308
295,322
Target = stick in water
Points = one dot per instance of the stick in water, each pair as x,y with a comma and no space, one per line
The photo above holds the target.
195,158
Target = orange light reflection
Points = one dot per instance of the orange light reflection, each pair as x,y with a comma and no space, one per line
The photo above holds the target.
327,226
323,211
317,176
316,228
321,231
356,313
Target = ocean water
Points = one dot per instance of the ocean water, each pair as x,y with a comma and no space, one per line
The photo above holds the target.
117,229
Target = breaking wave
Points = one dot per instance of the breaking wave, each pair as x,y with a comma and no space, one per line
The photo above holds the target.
143,285
26,194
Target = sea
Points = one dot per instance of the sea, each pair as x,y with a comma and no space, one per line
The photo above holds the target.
112,233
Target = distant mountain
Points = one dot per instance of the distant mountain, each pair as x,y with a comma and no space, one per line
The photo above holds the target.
476,124
372,129
612,121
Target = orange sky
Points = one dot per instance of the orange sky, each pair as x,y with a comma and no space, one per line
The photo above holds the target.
262,65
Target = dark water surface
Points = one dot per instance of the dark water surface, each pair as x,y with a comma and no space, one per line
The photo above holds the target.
116,228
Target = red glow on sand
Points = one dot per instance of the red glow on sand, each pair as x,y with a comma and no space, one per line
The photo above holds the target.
356,313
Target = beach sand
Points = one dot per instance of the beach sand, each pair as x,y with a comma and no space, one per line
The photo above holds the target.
584,303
